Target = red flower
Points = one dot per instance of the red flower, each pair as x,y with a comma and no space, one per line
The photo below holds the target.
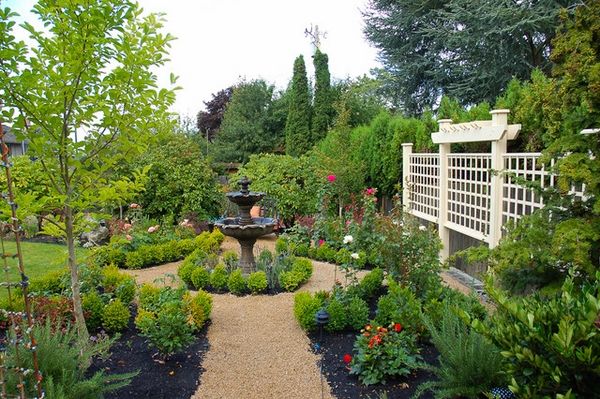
370,191
397,327
321,242
347,358
331,178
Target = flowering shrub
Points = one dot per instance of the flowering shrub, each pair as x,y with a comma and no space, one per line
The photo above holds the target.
383,352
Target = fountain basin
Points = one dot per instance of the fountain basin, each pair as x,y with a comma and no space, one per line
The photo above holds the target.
259,227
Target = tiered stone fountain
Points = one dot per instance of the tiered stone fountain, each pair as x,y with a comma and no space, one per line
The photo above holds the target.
245,228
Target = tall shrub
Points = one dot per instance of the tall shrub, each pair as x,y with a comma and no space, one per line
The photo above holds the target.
323,110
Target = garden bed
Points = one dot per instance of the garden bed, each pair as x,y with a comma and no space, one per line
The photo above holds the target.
177,378
333,347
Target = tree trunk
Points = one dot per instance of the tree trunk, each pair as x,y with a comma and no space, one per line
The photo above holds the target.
72,262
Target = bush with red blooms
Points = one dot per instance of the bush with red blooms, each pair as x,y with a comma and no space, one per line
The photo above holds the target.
383,352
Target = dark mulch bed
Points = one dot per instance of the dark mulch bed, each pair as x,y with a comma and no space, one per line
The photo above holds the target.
333,347
177,378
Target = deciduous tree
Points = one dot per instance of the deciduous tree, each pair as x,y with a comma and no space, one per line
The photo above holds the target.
85,97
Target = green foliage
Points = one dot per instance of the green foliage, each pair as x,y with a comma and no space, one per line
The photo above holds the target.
116,316
357,313
337,316
64,360
231,260
200,277
237,283
298,138
250,123
305,307
380,353
257,282
125,291
291,280
180,181
135,260
323,110
326,253
93,306
120,107
170,331
198,307
291,182
50,283
550,344
149,297
410,252
371,283
110,254
219,278
415,39
469,364
303,267
400,305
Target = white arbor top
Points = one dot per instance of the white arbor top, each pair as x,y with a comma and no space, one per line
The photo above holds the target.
469,132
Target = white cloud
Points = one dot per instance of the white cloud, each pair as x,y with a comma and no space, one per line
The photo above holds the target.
219,42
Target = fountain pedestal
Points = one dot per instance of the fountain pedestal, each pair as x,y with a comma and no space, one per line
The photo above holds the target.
245,228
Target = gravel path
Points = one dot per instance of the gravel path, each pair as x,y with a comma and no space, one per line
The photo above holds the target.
257,350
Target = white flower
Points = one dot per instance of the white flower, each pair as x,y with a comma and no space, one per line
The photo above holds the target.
354,255
348,239
422,228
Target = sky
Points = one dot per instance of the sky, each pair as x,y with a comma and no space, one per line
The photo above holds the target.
220,42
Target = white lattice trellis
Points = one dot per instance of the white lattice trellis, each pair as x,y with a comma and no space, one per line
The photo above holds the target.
469,194
425,186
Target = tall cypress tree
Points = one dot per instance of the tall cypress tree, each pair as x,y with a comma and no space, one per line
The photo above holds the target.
297,128
323,109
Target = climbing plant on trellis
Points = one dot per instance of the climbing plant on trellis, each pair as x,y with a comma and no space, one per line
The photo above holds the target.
19,332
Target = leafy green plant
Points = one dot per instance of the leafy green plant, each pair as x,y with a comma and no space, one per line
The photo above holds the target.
357,313
549,342
469,364
257,282
290,280
134,260
64,360
200,277
303,267
93,307
381,352
125,291
305,308
198,307
337,316
116,316
219,278
169,331
149,297
371,283
231,260
237,283
400,303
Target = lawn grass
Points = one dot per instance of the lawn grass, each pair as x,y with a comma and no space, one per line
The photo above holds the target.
39,259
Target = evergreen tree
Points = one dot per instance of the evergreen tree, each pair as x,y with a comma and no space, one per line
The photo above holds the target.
467,49
323,110
297,128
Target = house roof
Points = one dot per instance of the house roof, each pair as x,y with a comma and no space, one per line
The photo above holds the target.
9,137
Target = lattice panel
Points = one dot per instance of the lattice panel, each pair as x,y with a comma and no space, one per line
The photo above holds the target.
518,200
469,193
425,185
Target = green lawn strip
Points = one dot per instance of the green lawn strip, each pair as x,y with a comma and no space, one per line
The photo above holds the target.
39,259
